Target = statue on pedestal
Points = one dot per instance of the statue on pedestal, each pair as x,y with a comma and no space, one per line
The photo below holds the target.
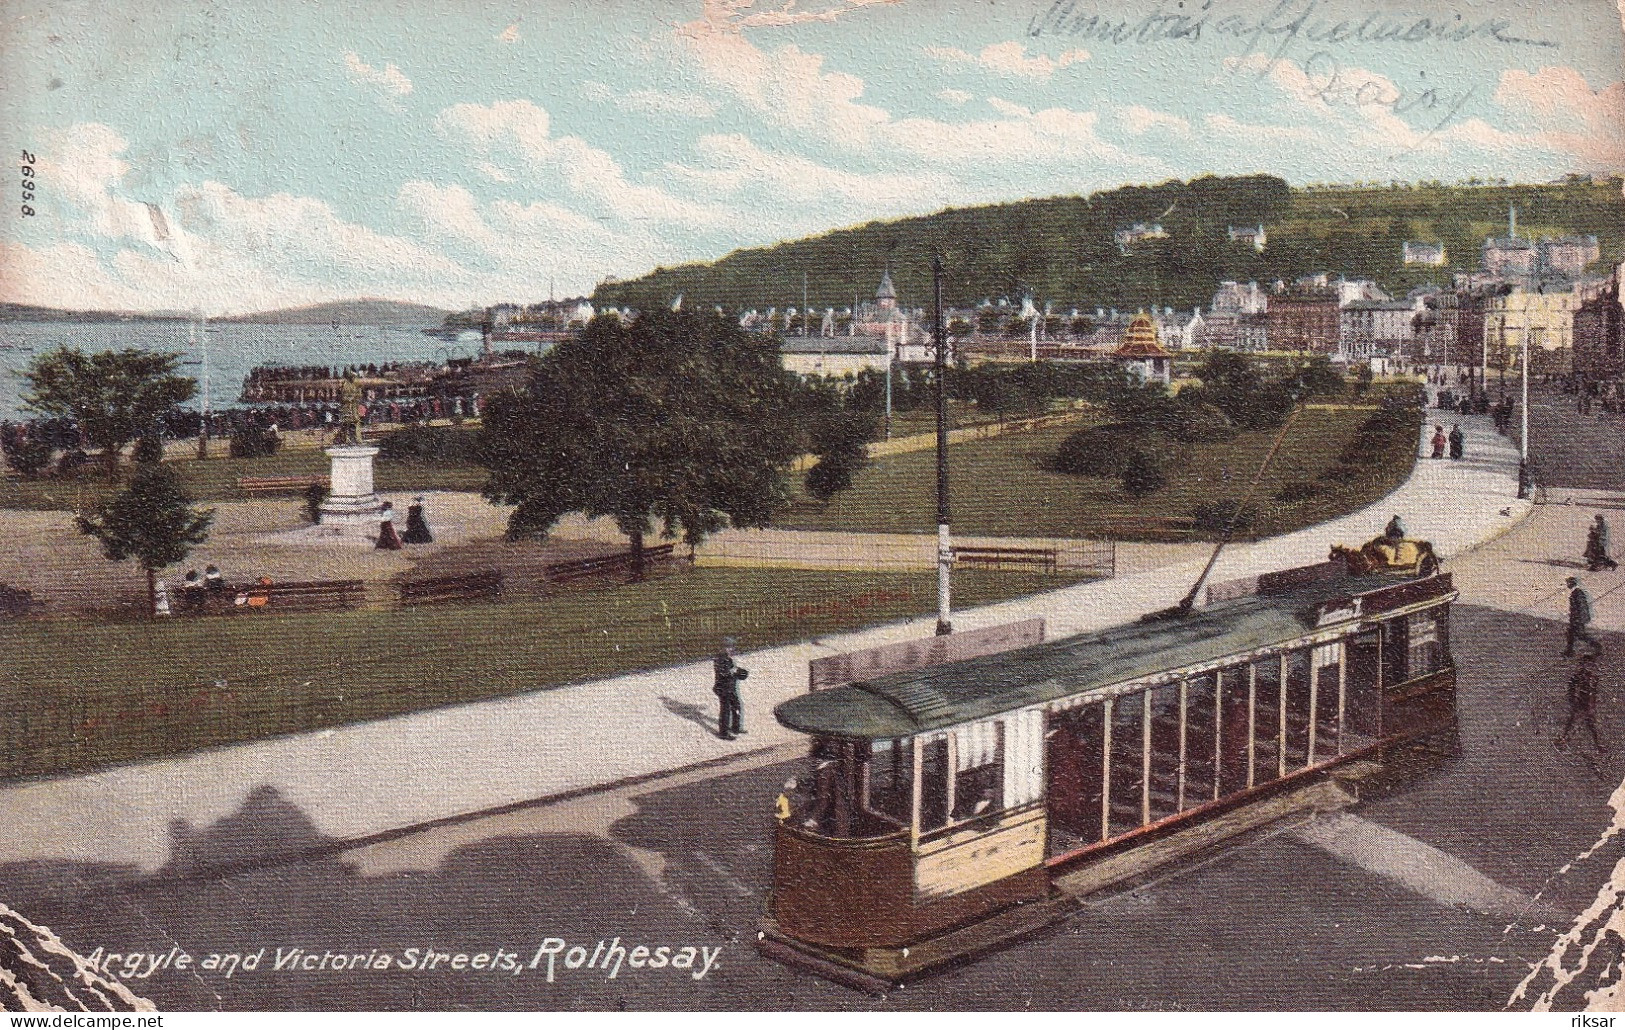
349,412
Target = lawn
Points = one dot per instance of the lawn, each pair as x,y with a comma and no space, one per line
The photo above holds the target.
81,694
216,478
1005,487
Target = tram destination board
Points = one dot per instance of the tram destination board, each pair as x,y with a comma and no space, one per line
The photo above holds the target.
835,670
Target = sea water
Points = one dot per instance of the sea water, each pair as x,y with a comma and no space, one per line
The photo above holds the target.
233,349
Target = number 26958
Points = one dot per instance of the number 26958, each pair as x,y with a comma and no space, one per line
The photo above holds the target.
30,183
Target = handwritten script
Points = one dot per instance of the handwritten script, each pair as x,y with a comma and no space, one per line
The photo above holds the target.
1282,25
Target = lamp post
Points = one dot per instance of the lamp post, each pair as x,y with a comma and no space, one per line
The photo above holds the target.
1523,435
945,551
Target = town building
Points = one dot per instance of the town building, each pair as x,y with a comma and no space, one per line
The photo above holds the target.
1541,315
834,355
1141,352
1304,316
1568,256
1599,332
1231,330
1237,299
1377,328
1127,237
1250,235
1424,254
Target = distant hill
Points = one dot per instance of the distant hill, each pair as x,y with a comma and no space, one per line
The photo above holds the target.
1062,248
350,312
32,313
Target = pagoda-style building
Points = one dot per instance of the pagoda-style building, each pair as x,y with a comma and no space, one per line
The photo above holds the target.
1142,352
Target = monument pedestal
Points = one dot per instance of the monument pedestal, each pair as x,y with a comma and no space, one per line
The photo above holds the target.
351,501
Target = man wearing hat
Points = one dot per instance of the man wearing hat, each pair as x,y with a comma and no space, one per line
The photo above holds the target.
1579,619
731,717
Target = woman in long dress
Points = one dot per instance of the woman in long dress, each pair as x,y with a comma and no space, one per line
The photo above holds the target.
388,539
417,526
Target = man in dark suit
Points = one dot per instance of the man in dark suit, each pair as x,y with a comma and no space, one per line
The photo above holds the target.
1580,619
731,716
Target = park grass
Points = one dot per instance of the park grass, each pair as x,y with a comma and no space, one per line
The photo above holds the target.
215,479
81,694
1006,486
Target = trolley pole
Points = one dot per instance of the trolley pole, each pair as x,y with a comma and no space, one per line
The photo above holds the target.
1523,434
945,551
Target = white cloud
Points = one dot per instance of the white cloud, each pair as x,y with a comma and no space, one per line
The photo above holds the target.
1008,109
788,88
513,138
659,103
389,82
1139,120
509,34
1566,114
1009,59
957,97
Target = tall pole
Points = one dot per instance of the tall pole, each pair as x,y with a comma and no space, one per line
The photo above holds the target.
203,423
1523,436
945,551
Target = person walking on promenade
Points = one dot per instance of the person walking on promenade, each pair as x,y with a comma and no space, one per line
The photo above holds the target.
1580,619
731,711
1583,702
417,525
1458,441
1439,441
1599,547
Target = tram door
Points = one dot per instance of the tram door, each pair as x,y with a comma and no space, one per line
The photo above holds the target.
1073,741
1363,707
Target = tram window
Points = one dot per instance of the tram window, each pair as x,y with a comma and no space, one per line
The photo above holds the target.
1297,709
891,779
979,775
1425,650
933,783
1394,653
1266,719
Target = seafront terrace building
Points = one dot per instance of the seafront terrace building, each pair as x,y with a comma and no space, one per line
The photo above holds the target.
1599,332
1377,328
1541,315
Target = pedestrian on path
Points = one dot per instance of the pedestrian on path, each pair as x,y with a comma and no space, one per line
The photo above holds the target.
1458,442
1439,441
1580,619
1599,547
1583,702
731,711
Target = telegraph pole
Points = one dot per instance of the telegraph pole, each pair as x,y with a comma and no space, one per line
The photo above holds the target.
1523,434
945,551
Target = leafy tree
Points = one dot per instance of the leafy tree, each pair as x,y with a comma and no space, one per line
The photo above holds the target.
27,453
114,396
837,424
678,418
1143,474
152,521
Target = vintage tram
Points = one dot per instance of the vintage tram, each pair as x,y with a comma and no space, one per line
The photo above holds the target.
950,808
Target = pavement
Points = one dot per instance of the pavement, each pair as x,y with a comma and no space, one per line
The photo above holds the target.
367,781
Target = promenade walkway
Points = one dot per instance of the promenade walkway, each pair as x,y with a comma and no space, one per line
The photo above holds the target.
367,779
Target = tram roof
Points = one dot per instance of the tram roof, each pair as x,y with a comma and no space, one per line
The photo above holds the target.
903,704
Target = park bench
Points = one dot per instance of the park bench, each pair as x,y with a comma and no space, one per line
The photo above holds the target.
472,586
604,565
280,484
1004,557
315,595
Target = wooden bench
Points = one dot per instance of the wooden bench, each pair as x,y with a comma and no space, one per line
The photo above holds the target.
1000,557
280,484
315,595
472,586
604,565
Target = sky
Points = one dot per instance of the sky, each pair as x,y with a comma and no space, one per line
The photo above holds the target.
458,152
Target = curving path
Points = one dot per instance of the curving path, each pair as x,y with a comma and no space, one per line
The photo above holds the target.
367,779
